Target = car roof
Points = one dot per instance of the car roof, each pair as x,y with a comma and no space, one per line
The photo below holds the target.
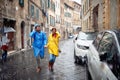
87,32
113,30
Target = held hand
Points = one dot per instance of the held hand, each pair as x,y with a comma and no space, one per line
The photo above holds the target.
45,46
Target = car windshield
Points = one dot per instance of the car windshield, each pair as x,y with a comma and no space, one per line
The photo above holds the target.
86,36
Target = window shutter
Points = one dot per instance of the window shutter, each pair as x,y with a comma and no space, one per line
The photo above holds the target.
21,3
32,10
54,7
48,3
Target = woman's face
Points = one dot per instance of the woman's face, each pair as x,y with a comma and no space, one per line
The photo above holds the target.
54,30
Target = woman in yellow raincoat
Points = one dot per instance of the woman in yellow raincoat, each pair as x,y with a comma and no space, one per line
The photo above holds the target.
53,47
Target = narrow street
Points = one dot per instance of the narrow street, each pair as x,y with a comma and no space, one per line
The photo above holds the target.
23,66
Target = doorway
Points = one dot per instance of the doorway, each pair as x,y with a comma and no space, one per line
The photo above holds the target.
9,23
22,34
95,18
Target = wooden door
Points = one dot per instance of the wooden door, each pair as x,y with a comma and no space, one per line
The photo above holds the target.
22,34
11,41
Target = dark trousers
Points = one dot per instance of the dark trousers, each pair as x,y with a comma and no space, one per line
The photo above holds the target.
4,55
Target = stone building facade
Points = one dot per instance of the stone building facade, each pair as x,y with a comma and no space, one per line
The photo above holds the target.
98,15
76,16
26,17
7,20
68,17
86,16
20,15
111,14
57,15
63,28
51,14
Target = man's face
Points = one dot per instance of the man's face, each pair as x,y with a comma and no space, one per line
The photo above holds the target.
38,28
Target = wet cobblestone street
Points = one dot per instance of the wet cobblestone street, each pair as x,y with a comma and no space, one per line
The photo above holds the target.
22,66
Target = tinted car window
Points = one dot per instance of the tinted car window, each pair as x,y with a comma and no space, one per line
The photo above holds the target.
109,53
106,44
113,51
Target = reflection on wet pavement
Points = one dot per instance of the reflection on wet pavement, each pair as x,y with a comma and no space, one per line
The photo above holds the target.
22,66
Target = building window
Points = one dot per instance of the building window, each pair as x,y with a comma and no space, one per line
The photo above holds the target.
67,14
42,4
57,19
52,21
48,3
37,13
83,9
69,24
32,10
56,4
89,2
21,3
53,6
65,23
85,6
65,7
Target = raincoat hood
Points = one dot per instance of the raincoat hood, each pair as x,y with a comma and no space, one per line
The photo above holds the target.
36,25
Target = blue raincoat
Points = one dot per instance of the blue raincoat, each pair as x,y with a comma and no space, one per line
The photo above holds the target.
39,40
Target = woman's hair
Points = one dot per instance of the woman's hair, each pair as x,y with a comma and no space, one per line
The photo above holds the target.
53,29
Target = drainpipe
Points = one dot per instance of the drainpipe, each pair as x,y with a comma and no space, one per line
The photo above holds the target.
28,7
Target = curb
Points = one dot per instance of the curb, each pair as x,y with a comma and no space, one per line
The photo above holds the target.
17,52
14,52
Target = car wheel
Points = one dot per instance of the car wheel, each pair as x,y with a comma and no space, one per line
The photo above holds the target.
81,61
75,58
87,71
88,75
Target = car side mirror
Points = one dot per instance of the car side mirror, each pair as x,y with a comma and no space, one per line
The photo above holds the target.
76,38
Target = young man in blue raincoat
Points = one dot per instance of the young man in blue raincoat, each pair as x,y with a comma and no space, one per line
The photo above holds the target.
39,43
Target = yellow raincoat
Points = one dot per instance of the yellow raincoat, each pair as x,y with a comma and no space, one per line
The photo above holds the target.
53,44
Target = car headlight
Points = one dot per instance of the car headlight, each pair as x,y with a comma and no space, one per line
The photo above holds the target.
82,47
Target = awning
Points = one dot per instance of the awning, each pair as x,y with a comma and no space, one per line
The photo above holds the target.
7,29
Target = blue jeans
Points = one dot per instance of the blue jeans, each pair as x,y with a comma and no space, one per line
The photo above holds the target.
52,58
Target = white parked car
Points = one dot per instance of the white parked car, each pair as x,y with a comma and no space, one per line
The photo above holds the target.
103,58
81,45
